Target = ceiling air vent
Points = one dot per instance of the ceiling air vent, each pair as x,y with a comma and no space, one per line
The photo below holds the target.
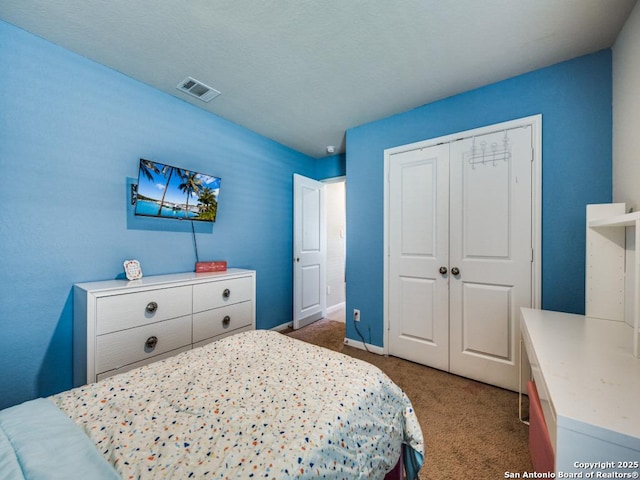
198,89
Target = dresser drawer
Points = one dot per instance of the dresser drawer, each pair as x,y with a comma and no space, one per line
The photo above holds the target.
209,340
120,312
124,347
217,294
131,366
220,320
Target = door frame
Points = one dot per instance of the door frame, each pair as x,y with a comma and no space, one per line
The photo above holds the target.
343,304
535,121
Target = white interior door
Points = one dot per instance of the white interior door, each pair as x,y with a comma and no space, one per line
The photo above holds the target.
309,251
418,248
490,246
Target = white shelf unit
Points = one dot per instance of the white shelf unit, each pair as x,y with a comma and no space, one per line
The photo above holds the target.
623,220
611,282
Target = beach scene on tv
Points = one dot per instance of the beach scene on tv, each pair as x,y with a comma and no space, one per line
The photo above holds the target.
172,192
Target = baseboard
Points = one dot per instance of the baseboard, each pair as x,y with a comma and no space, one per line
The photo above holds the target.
303,322
281,327
361,345
336,308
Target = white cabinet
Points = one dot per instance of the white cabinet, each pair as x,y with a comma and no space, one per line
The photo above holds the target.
613,267
120,325
588,382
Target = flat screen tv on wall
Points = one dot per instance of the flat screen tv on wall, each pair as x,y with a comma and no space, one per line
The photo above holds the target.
171,192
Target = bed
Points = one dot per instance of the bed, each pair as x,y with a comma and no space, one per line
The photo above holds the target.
253,405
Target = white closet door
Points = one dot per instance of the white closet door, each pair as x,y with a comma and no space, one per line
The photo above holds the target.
418,247
490,245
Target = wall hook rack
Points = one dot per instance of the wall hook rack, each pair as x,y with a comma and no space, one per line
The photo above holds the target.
489,154
134,193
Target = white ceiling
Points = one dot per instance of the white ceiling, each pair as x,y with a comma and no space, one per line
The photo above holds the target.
303,71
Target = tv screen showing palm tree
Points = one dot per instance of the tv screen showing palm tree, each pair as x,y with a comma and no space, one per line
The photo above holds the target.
171,192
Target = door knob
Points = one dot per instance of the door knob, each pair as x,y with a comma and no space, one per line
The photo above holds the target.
443,270
455,271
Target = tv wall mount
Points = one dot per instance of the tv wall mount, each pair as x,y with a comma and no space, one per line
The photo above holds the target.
134,193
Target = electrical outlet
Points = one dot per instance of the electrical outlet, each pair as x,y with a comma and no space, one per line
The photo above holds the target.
356,315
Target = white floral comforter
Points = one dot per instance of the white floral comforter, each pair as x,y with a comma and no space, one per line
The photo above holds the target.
253,405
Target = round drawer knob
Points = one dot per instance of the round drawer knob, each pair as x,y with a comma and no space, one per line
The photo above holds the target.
152,307
226,294
226,321
151,343
455,271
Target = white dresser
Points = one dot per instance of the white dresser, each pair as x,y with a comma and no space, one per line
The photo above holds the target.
120,325
588,382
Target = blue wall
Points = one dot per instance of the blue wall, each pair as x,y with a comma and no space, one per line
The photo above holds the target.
574,99
332,166
71,134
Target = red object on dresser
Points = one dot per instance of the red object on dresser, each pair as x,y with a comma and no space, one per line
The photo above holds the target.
540,447
217,266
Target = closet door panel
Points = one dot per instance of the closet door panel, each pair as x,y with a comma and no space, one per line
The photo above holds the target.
418,210
418,295
418,247
486,307
490,245
485,213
